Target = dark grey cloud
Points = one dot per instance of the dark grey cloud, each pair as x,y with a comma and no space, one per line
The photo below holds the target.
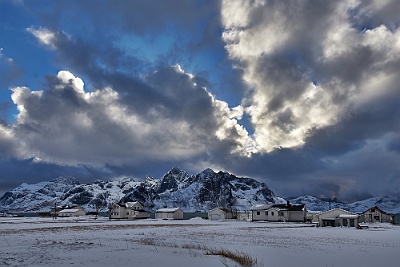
370,14
17,171
319,80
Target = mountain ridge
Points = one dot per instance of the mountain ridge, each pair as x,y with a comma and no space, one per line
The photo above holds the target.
199,192
390,205
176,188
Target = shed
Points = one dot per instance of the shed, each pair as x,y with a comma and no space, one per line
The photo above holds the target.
375,214
218,214
75,212
169,213
338,217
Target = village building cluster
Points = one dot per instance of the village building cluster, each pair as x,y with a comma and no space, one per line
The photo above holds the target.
263,212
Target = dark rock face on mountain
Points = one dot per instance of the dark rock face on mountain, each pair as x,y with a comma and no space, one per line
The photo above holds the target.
176,188
201,192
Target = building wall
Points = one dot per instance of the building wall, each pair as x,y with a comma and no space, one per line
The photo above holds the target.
216,214
272,215
118,212
72,214
376,215
297,216
176,215
332,214
259,215
219,214
140,214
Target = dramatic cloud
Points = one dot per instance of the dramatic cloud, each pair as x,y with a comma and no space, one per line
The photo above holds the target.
308,64
66,125
300,94
324,80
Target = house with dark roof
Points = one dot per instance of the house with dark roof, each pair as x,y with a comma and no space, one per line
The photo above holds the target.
279,212
375,214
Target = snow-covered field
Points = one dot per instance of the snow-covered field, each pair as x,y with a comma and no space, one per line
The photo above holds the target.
88,242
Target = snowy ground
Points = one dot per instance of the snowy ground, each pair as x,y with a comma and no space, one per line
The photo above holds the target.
88,242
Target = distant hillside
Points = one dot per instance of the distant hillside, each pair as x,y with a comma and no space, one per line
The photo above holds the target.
176,188
387,204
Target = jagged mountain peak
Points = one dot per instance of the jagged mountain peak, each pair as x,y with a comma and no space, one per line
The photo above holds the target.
175,170
174,179
68,180
207,172
176,188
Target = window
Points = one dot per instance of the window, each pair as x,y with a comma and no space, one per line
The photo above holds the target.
281,213
258,213
127,213
266,213
272,213
376,218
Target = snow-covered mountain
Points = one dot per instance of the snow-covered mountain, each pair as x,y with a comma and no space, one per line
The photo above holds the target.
387,204
63,191
176,188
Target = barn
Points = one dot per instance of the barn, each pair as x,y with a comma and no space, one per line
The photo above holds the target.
375,214
169,214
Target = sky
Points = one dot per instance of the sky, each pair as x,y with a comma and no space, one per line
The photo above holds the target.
301,95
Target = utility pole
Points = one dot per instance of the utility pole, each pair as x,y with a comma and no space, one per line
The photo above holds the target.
55,210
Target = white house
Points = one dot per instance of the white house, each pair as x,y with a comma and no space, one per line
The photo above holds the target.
218,214
73,212
117,211
169,213
128,210
338,217
279,212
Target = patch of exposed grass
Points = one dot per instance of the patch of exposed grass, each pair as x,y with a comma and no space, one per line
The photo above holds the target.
194,246
242,258
147,242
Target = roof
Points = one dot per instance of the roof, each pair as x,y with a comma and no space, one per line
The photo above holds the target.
69,210
168,210
260,207
289,207
131,204
225,210
377,208
119,204
348,216
142,210
338,209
